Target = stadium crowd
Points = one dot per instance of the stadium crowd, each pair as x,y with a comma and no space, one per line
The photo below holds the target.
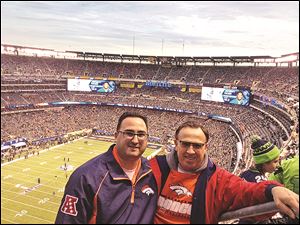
262,78
27,81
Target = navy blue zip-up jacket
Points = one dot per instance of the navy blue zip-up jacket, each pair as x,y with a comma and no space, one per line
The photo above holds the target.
100,192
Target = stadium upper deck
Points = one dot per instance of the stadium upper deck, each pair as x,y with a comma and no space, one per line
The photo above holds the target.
272,79
27,80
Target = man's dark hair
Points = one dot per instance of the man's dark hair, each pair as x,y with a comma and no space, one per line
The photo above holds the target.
192,124
131,114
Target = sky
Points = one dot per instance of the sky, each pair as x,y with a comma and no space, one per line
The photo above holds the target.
173,28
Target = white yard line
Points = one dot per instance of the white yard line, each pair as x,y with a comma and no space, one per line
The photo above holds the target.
36,197
51,222
39,208
13,222
42,185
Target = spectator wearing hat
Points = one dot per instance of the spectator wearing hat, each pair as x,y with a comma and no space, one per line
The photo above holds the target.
266,160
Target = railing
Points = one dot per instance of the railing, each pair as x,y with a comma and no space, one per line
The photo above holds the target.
255,210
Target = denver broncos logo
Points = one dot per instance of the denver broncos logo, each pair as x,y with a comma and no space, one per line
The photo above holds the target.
180,190
147,190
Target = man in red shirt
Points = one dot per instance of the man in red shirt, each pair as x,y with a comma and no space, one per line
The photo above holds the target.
192,189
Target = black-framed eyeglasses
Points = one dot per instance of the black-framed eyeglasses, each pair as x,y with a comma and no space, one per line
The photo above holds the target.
196,146
130,134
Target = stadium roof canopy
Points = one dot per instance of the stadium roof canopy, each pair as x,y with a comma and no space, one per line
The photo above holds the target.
20,47
112,56
93,55
221,59
130,57
241,59
261,57
76,52
172,60
202,59
296,53
184,59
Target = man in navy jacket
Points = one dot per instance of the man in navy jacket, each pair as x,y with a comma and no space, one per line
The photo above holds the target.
116,186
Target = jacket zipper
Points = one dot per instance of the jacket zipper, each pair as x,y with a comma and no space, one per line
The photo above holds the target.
133,186
132,194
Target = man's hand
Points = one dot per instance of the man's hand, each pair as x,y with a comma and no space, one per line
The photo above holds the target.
286,201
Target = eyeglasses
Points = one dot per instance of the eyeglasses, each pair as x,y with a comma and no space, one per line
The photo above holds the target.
131,134
196,146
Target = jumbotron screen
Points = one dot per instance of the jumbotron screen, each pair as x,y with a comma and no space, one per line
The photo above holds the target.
231,96
101,86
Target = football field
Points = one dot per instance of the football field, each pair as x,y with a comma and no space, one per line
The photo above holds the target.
24,200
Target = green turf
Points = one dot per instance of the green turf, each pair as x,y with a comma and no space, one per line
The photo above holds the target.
41,204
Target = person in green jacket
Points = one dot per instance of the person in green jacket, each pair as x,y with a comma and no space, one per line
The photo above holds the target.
288,174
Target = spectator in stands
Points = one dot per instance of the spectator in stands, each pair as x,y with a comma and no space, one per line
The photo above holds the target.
116,186
194,190
266,157
288,174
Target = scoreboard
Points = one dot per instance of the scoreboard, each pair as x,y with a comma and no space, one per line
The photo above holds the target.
91,85
231,95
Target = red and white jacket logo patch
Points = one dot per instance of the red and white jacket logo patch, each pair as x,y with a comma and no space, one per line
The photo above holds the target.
69,206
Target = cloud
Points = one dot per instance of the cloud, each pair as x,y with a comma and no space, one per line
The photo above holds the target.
227,26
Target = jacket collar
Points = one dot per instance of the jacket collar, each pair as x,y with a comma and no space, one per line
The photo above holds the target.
172,160
115,169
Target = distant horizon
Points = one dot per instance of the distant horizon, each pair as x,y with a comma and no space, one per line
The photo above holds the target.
180,29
